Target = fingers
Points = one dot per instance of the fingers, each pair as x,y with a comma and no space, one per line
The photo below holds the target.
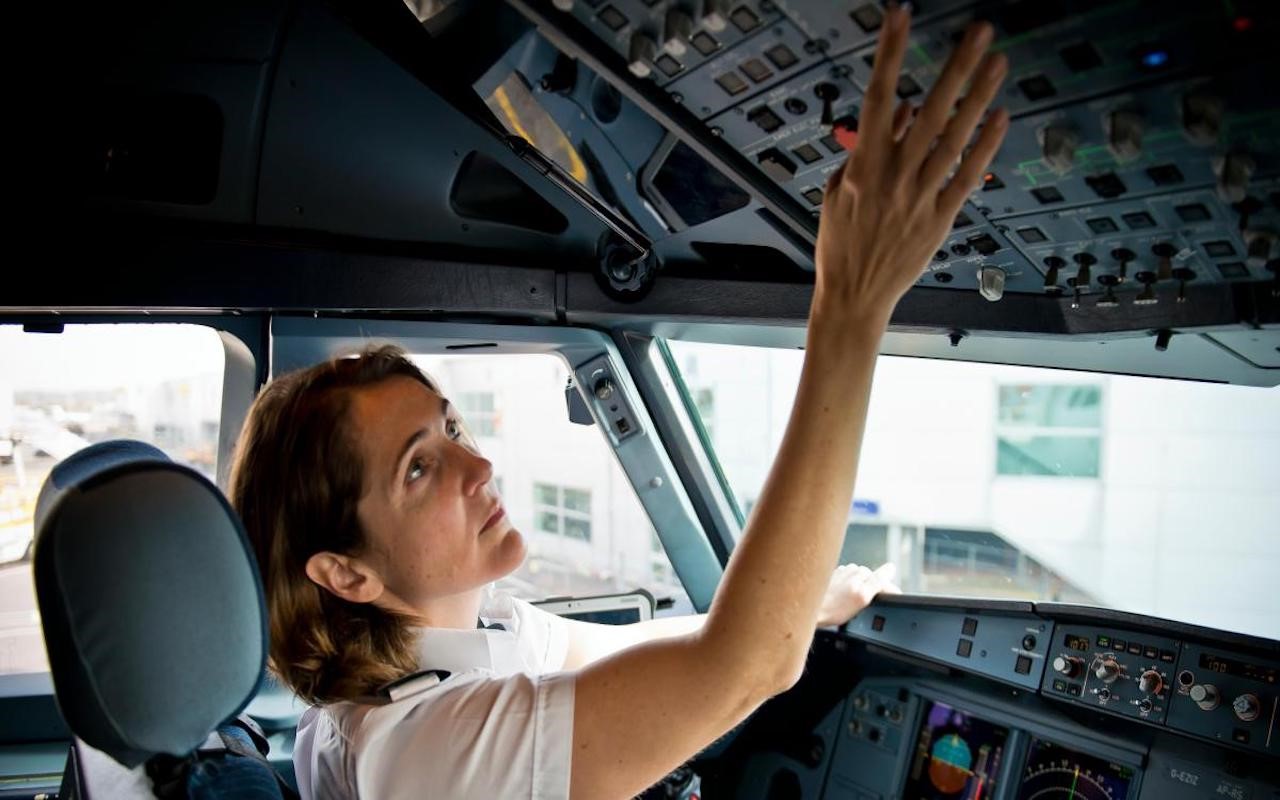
975,163
960,128
875,124
942,99
902,119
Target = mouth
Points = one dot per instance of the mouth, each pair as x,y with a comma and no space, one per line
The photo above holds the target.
497,516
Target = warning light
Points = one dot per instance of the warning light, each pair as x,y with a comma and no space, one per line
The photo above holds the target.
846,133
991,181
1242,24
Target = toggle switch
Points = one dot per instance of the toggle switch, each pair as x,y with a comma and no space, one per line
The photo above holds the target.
1184,275
1201,117
1147,297
1084,261
1124,130
1058,144
1259,245
828,93
641,55
1163,337
715,15
1164,267
1124,256
1234,171
1051,285
676,31
1108,299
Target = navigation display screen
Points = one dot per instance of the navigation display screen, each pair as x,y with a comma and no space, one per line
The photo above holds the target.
957,756
1055,771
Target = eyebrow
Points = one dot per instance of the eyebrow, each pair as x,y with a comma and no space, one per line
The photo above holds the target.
414,438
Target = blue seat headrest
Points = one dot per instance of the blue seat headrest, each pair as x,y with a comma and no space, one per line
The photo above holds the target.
150,600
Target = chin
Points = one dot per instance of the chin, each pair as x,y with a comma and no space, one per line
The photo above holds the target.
509,554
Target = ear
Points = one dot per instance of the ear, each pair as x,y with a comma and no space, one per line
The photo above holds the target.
345,577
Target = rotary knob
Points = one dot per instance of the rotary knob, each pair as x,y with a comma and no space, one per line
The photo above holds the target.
604,388
1204,695
1150,682
1246,707
1107,670
1069,666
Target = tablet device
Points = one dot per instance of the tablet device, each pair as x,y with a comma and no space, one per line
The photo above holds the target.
605,609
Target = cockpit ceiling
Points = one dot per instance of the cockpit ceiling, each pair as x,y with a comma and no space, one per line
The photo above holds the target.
356,158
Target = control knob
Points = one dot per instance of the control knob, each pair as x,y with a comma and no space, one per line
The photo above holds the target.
1124,134
1107,670
1204,695
1201,117
1069,666
715,15
1246,707
676,31
1150,682
1234,171
603,389
642,53
1058,147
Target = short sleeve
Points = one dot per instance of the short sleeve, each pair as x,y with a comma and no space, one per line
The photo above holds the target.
475,736
544,637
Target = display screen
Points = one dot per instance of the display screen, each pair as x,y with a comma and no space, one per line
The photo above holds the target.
957,756
1079,643
1055,771
612,616
1241,669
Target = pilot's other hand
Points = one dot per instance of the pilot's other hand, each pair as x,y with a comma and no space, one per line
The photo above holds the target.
892,203
852,589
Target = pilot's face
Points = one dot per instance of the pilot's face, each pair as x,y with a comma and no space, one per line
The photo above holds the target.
428,507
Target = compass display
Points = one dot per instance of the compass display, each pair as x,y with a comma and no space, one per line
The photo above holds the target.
1054,772
957,756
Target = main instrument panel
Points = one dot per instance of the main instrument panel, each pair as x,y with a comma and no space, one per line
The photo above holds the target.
1007,700
1143,154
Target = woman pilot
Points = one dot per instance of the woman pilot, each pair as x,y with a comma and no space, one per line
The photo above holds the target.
377,527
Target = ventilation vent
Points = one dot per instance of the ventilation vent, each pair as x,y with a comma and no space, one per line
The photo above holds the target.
486,190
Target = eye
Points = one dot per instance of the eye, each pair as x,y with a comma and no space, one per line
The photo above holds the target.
416,470
453,429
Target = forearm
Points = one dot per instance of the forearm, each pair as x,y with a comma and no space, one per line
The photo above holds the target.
767,605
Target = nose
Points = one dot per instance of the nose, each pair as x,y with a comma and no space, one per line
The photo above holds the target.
477,470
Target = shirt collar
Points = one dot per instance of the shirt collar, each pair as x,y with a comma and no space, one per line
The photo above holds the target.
458,650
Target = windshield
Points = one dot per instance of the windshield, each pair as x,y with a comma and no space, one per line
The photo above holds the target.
1146,495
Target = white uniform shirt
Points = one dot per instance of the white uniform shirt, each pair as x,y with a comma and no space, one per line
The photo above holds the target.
500,726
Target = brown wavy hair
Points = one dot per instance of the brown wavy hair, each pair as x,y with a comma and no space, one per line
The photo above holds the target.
296,479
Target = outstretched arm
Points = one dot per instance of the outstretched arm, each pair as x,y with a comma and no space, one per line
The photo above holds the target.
642,711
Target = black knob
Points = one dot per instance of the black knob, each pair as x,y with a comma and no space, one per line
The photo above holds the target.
1147,297
1124,255
1163,338
1247,208
1108,300
1053,263
827,93
1085,260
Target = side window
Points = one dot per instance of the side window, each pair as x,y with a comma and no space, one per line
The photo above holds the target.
59,393
560,484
